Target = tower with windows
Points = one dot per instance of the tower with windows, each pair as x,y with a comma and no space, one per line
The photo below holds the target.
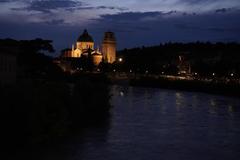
109,47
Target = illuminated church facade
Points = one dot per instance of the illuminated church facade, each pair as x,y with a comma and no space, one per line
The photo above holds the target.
85,47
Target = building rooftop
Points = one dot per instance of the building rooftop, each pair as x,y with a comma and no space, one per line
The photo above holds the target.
109,36
85,37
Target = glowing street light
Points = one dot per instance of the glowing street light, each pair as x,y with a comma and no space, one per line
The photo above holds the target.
232,74
120,59
195,73
130,71
213,74
146,71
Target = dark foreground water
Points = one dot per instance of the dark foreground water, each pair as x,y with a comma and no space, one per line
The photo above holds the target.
158,124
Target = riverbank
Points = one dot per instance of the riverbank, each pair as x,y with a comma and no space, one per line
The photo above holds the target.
188,85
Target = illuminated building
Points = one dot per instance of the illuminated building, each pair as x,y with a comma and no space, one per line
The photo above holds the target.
109,47
84,47
184,67
84,42
96,58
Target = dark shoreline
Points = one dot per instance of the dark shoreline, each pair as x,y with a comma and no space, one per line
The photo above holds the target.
188,85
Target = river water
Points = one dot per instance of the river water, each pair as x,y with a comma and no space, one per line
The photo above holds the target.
159,124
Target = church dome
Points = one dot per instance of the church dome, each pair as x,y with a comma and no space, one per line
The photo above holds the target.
85,37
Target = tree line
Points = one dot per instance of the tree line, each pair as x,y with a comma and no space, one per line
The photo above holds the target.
204,57
47,104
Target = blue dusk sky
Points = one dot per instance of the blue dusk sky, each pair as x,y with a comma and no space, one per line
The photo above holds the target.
135,22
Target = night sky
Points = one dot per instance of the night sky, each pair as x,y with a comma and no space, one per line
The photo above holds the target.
135,22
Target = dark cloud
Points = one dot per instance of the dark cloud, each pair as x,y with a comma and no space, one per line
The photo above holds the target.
196,2
130,16
51,4
56,22
113,8
7,1
97,8
4,1
224,10
149,28
46,6
136,28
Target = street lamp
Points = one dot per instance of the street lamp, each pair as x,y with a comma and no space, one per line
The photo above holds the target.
120,59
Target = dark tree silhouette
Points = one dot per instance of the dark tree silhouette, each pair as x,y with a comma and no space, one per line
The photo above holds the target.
204,57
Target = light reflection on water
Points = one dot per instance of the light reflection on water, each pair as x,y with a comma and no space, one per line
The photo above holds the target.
153,124
170,124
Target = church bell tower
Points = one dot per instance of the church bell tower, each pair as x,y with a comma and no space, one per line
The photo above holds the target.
109,47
